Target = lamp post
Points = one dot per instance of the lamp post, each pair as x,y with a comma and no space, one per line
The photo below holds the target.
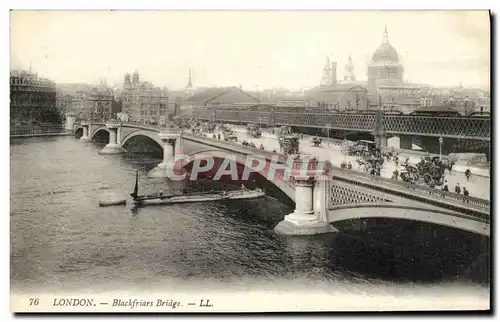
440,147
328,127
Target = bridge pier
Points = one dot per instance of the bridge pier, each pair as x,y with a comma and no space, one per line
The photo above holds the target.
379,134
381,140
86,131
305,220
406,142
70,122
113,147
172,143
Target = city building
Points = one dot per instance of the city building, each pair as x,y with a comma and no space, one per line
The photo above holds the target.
400,98
95,104
384,68
331,94
142,100
341,97
220,97
32,98
64,102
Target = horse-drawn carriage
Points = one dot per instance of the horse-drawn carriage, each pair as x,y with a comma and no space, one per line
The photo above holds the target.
229,136
226,128
250,144
289,142
228,133
362,148
316,141
209,127
431,173
253,130
370,163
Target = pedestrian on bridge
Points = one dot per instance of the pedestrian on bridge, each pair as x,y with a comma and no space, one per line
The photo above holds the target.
468,174
445,186
395,174
457,188
466,192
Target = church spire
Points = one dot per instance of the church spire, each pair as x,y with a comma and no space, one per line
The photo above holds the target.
349,70
386,36
190,84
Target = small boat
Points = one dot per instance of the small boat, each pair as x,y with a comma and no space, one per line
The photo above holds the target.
112,200
209,197
117,202
160,199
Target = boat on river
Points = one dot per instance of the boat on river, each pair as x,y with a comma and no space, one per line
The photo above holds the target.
209,196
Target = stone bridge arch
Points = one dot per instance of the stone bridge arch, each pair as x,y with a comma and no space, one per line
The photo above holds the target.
141,141
97,130
139,132
78,130
406,212
251,163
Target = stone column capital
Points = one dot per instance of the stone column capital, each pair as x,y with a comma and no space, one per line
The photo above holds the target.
112,125
304,181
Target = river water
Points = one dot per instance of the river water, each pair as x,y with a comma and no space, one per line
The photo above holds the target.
62,241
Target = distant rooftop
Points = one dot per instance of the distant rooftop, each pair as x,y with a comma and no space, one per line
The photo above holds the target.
443,108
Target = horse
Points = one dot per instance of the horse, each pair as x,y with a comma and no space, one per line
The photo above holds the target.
449,165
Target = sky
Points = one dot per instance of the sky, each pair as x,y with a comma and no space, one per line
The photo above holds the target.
254,49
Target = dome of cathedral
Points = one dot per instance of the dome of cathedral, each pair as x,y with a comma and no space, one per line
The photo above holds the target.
385,52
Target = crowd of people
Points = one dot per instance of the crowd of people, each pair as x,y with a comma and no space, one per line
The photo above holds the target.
423,166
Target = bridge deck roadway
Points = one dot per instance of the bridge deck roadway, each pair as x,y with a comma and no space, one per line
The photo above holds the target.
478,186
389,189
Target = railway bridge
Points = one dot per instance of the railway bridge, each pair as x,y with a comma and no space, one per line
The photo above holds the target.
458,133
323,194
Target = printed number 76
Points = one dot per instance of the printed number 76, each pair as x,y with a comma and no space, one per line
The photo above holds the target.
34,301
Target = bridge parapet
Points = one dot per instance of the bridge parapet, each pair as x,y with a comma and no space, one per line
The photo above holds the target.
449,200
113,123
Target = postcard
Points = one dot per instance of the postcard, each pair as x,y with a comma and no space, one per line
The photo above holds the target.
249,161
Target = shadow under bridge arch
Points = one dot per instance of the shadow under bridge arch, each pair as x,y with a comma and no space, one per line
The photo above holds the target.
464,222
100,134
236,168
141,141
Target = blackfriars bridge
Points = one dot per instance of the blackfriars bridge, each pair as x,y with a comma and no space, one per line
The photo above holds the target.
324,195
459,133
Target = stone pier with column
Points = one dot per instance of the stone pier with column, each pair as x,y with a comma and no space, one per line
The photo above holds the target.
311,200
172,146
379,134
113,146
86,131
70,122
